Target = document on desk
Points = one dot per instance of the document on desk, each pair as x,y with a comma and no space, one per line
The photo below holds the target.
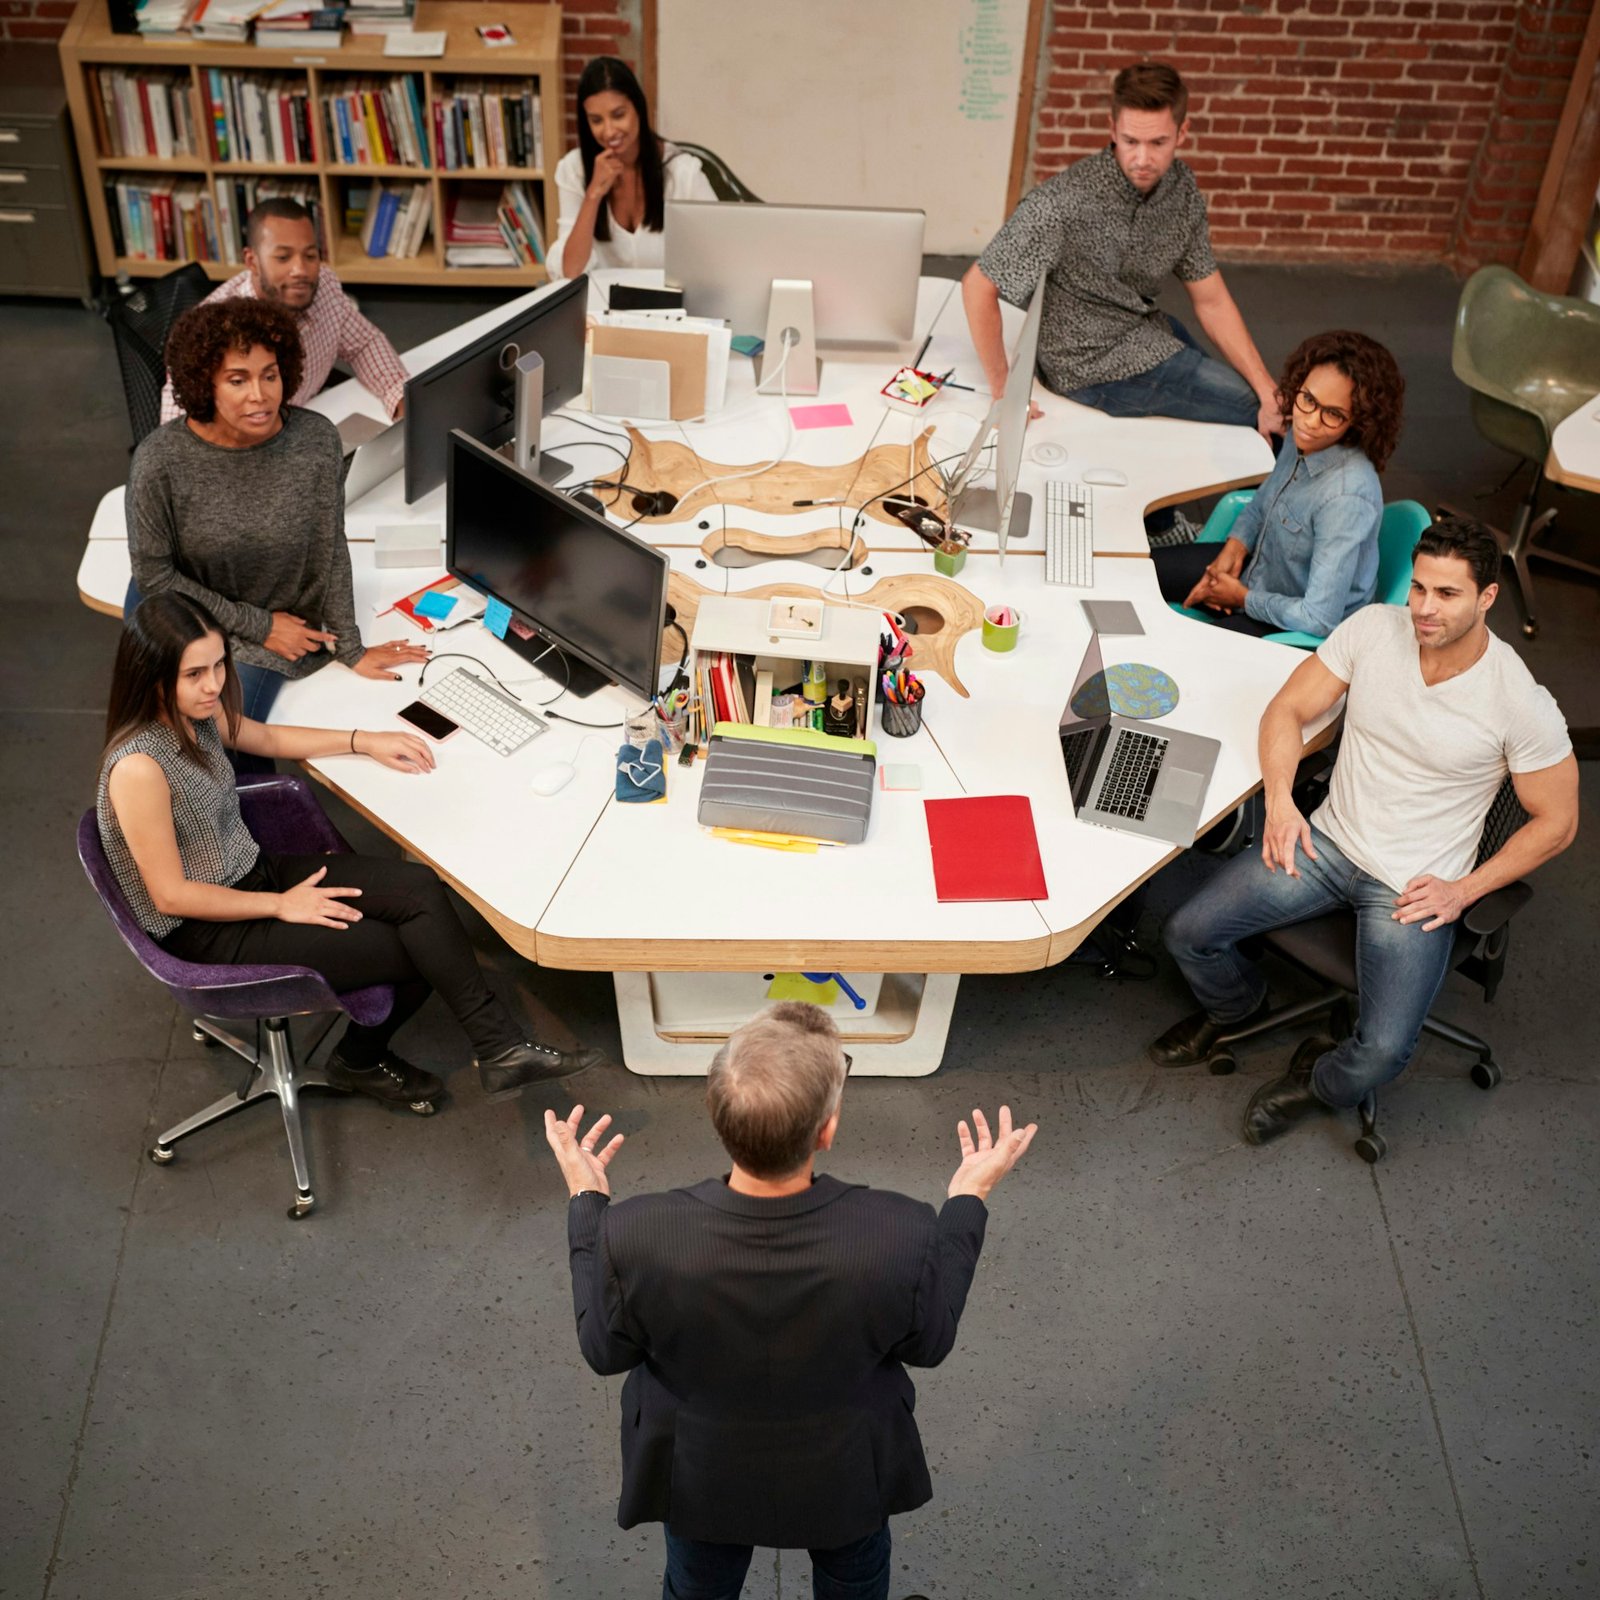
696,348
985,848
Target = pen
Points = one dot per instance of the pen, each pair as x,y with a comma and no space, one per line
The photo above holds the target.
966,386
923,351
832,500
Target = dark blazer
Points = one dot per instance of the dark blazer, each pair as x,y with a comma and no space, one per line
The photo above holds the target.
767,1401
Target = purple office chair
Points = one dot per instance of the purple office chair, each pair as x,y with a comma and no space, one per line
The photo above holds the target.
284,818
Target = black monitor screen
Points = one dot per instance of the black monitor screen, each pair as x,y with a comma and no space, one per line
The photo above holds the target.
594,591
472,389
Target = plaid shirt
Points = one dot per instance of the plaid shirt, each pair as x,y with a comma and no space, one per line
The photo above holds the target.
331,329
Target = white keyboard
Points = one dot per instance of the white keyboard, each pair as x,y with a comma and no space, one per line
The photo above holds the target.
1069,534
485,713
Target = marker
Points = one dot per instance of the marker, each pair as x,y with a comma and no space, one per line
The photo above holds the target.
834,500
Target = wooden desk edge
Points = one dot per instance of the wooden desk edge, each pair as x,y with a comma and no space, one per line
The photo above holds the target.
791,955
1569,478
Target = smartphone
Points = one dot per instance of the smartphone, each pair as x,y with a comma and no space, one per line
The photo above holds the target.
425,719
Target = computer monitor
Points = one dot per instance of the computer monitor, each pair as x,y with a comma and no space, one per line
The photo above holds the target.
1002,510
571,579
475,388
838,275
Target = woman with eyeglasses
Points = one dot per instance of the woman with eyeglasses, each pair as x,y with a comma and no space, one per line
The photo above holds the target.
1303,553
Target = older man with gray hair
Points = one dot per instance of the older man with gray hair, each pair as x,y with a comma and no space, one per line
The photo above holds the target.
766,1320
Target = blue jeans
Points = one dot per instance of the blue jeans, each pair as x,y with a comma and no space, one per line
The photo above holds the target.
1188,385
1399,968
697,1570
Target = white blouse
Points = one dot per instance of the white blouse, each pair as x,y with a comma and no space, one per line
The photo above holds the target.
685,180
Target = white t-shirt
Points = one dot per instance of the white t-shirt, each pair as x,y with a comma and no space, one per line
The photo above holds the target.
685,180
1419,767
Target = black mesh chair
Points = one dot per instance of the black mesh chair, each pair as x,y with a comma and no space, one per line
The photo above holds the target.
725,183
1325,947
139,324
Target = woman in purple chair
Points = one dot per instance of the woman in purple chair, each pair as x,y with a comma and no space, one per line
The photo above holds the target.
201,886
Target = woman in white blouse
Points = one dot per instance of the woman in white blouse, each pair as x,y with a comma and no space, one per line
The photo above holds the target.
615,185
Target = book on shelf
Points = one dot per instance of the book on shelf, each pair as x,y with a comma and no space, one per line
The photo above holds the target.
487,124
163,218
238,196
286,23
143,113
485,230
164,19
225,21
255,116
376,122
393,218
379,16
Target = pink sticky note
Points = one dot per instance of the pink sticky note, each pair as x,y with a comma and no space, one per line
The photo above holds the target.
837,416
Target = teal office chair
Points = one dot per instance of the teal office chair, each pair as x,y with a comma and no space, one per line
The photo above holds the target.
1530,360
1403,523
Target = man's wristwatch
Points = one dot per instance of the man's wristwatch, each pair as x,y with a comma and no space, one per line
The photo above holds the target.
582,1192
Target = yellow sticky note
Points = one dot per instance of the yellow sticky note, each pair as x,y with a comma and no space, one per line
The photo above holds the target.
796,986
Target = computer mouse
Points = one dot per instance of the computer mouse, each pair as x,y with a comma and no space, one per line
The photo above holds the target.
1047,453
1106,477
554,778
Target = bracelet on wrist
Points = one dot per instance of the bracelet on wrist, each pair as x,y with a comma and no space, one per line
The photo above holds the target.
353,750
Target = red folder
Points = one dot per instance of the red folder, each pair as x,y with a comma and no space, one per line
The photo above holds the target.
984,848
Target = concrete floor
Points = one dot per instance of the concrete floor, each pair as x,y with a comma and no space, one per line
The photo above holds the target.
1188,1368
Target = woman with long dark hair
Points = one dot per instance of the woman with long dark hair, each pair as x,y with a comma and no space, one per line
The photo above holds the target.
615,185
200,885
1303,554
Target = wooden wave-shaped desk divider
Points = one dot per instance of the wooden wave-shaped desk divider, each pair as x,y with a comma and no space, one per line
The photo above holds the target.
942,610
658,464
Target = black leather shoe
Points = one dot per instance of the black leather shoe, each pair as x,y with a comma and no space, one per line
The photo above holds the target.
511,1071
1275,1107
1187,1043
394,1080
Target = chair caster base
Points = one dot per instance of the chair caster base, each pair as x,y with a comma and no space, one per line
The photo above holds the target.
1530,630
162,1154
200,1036
302,1206
424,1108
1221,1064
1486,1074
1372,1148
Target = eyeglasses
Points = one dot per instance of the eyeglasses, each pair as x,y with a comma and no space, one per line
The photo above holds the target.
1309,405
849,1061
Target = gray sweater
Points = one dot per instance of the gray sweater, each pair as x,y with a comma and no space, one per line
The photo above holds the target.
248,532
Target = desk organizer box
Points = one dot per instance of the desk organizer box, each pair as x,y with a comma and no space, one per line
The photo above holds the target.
788,780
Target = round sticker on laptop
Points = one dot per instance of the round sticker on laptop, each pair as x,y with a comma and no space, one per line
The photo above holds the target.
1129,688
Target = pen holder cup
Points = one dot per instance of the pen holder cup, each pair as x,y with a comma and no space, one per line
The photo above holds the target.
900,721
1001,637
949,559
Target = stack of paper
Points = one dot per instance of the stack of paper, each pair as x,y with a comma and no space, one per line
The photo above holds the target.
696,348
287,21
379,16
164,19
226,20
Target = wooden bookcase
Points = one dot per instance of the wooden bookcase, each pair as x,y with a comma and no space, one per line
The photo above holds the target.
89,43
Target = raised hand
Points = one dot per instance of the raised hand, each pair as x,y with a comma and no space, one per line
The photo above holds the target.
583,1161
986,1160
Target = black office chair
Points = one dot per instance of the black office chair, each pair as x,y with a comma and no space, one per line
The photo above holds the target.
1325,947
139,324
725,182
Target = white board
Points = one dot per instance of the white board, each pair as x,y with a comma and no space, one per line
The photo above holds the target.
853,102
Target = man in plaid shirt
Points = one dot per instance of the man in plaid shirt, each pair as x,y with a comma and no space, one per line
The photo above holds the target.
284,264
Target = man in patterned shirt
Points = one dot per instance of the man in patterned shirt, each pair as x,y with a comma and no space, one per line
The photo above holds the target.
1106,232
283,263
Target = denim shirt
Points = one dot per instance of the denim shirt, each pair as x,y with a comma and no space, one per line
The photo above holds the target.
1312,536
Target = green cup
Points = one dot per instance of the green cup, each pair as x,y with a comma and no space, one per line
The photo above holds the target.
1001,636
949,559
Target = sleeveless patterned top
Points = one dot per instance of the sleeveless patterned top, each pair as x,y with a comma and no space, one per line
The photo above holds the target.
214,845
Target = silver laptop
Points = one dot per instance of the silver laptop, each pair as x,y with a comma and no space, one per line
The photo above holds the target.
375,459
1135,777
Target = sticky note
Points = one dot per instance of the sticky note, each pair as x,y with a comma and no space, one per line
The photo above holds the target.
434,604
892,776
497,617
746,344
796,986
834,416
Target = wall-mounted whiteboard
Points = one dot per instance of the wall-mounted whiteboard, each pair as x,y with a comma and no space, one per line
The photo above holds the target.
855,102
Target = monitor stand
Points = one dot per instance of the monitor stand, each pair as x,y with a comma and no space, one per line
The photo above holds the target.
553,662
528,406
791,325
978,511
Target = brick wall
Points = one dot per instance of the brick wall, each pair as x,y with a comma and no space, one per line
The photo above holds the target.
1354,130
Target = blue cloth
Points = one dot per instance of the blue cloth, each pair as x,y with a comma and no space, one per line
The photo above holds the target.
1399,968
1312,534
1188,385
641,775
697,1570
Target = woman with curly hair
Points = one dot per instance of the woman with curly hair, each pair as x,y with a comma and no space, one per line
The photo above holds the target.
239,504
1303,554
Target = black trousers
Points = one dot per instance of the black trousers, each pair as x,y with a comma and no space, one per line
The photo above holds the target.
1180,567
409,935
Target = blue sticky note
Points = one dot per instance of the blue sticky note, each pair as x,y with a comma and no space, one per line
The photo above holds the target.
435,604
746,344
497,617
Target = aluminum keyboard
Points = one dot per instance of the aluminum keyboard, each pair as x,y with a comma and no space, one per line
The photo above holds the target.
1069,534
485,713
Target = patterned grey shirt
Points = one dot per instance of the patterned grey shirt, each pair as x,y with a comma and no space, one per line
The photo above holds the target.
1107,250
214,845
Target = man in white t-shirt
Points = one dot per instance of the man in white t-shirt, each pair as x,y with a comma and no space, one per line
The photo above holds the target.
1438,712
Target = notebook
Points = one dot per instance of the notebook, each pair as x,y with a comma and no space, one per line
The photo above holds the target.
984,848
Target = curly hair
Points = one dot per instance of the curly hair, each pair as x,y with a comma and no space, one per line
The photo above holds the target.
204,334
1378,389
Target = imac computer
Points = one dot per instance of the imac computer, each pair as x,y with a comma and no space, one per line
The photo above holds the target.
497,387
1001,510
797,276
572,579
